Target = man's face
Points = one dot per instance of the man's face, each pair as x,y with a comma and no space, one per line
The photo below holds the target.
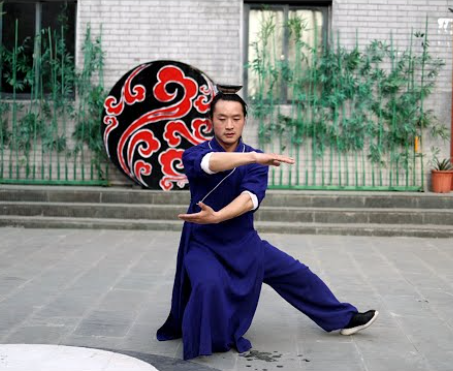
228,120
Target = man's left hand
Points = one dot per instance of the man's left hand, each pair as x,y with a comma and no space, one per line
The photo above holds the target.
207,215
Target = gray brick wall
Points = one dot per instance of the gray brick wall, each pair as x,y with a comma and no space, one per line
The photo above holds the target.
205,34
374,19
209,35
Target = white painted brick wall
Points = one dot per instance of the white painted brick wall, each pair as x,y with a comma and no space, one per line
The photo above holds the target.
374,19
209,35
206,34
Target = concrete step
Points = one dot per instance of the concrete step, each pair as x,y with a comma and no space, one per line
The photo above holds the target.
265,213
355,215
407,230
431,231
89,223
276,198
314,212
92,210
92,195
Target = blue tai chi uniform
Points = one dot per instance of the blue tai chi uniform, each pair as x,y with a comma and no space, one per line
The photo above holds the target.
220,267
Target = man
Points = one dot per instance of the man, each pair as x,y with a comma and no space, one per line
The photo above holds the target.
222,261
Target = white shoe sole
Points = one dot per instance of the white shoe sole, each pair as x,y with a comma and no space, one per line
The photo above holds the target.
353,330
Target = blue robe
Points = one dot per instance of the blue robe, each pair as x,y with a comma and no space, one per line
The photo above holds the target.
221,267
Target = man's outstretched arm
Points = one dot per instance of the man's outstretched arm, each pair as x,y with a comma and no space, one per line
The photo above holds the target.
222,161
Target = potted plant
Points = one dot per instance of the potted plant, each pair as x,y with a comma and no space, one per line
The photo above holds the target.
441,176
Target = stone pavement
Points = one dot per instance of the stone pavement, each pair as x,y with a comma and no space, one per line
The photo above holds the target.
111,290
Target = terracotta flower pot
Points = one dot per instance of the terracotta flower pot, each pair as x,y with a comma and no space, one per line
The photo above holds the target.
441,181
451,172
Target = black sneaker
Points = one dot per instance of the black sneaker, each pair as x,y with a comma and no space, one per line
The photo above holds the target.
360,321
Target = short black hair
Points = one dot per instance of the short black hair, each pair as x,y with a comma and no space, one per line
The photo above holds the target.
229,98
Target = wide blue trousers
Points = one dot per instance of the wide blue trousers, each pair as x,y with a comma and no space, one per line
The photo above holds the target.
212,324
303,289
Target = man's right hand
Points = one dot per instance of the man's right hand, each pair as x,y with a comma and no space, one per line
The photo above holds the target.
272,159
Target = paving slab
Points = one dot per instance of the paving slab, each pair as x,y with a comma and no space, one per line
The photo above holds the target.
111,290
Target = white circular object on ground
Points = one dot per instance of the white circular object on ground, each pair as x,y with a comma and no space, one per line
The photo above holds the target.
44,357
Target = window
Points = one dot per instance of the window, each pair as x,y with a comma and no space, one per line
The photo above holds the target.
281,38
29,19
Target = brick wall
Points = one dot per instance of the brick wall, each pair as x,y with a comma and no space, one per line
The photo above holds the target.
205,34
374,19
208,34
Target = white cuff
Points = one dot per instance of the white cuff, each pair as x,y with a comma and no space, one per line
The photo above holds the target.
254,199
205,163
